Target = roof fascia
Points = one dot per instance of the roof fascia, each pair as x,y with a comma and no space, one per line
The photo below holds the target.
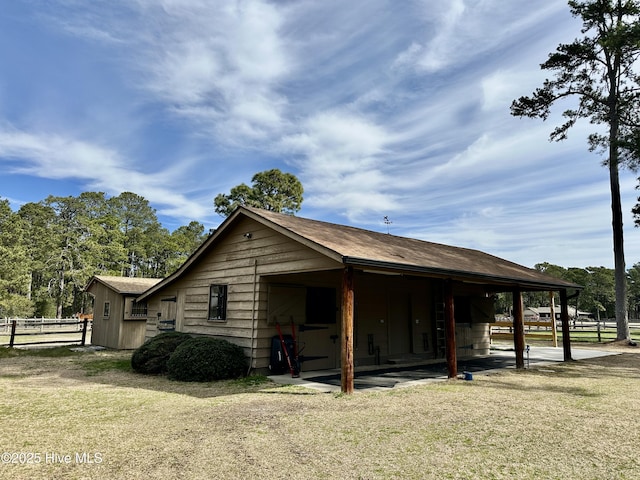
294,236
194,256
444,273
225,225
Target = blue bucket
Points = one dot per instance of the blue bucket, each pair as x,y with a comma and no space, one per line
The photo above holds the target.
468,376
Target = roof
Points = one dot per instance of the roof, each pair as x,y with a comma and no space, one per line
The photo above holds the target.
380,251
124,285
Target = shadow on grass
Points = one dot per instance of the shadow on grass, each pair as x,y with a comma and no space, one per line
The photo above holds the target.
113,368
618,368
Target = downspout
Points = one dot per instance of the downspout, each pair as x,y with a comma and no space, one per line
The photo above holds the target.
253,313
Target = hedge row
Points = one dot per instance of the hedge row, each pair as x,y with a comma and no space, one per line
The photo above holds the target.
189,359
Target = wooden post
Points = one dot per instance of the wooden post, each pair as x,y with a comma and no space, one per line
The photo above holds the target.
84,332
347,331
450,330
552,311
13,333
518,327
564,317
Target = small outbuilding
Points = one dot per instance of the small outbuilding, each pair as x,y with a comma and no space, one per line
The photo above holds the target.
119,321
352,297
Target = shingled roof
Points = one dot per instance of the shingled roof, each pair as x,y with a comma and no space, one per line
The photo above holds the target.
365,248
384,252
125,285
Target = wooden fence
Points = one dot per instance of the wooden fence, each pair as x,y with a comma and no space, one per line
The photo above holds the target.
581,330
35,330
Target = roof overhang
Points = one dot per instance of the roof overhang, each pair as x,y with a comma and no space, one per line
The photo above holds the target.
471,277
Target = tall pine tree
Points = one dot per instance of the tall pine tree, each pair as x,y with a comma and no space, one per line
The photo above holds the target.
598,71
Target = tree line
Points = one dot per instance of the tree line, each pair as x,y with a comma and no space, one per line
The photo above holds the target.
598,296
50,249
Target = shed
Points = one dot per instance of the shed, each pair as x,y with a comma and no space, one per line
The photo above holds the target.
118,319
353,297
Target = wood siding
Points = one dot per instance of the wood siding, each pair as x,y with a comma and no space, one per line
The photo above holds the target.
244,265
113,331
394,314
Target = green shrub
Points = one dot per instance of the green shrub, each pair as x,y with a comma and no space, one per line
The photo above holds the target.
203,359
152,356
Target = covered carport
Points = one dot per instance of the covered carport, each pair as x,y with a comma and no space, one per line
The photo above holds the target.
464,267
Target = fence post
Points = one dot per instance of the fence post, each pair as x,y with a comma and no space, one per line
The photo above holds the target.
13,333
84,331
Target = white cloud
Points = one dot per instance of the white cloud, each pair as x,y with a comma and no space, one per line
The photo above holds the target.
58,157
221,61
341,162
379,110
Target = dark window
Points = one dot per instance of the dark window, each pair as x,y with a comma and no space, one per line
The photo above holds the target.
218,302
107,310
321,305
139,309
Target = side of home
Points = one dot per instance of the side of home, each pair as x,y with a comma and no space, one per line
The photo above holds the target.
261,270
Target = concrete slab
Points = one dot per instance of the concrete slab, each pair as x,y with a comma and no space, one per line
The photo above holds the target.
387,377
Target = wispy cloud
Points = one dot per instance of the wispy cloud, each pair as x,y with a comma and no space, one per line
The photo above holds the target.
53,156
379,109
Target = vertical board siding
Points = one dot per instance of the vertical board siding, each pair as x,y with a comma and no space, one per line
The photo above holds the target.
105,331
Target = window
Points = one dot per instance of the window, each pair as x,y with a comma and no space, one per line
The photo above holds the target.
107,310
321,305
218,302
138,309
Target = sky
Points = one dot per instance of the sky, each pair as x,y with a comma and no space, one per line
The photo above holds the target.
382,108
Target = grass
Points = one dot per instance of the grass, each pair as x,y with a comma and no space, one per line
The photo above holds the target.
578,335
559,421
52,352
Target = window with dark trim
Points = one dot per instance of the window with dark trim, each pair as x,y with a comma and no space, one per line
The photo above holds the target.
321,305
106,310
138,309
218,302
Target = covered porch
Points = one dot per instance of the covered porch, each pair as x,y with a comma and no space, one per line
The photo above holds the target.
449,322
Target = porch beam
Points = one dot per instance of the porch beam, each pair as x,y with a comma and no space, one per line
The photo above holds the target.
347,373
518,327
450,330
552,317
564,318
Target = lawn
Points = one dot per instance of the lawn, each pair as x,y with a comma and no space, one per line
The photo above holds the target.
88,416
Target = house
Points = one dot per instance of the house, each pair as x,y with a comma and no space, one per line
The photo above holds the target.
545,313
119,321
353,297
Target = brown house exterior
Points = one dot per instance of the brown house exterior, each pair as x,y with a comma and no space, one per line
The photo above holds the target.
356,297
118,320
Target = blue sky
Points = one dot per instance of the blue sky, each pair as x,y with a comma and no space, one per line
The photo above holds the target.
381,108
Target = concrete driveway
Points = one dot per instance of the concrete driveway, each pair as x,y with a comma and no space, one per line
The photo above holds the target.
387,377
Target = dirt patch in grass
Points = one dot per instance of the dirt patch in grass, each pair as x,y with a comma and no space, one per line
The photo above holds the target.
566,420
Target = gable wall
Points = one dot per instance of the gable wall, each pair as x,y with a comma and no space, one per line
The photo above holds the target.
105,331
240,263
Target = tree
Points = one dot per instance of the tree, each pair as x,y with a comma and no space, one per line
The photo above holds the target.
598,71
270,190
184,241
138,224
38,222
14,268
633,282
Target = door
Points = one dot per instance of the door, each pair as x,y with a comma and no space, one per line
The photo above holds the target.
167,319
399,323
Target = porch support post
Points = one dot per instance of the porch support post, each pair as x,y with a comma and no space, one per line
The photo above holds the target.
450,330
347,331
552,311
564,317
518,327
